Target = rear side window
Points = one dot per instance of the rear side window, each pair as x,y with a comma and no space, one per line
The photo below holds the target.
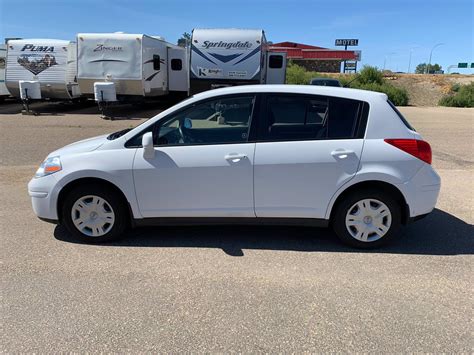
313,117
399,114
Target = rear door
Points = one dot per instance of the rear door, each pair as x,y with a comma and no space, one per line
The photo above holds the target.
276,67
308,147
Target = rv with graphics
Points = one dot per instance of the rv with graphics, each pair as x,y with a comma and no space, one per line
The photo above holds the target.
51,62
3,88
140,66
227,57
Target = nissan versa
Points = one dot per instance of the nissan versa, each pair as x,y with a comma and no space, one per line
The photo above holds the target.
276,154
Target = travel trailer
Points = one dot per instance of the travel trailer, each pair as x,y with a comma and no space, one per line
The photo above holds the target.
3,88
51,62
227,57
140,66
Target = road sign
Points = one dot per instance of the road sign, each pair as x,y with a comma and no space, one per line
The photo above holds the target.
347,42
462,65
472,65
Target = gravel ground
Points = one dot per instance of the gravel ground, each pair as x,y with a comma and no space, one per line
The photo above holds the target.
240,289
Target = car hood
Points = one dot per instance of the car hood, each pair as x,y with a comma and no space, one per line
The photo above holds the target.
86,145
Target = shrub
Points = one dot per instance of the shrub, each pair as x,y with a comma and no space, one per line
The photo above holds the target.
297,75
398,96
369,75
463,97
369,78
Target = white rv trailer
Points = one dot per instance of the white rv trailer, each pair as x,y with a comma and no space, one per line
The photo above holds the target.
3,88
139,65
225,57
52,62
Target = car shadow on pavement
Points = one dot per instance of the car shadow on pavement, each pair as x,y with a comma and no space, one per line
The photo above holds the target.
440,233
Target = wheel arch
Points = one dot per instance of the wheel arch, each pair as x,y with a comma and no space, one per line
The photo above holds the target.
90,180
373,184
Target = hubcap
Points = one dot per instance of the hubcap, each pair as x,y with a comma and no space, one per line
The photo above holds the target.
93,216
368,220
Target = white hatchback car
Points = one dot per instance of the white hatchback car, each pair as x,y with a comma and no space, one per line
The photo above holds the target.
276,154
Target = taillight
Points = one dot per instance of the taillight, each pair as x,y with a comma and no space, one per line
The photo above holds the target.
415,147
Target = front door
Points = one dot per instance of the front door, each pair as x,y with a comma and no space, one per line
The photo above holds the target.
203,162
308,148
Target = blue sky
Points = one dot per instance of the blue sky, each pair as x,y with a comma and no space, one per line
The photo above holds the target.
386,29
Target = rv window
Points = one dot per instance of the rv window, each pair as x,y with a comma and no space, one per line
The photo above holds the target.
156,62
2,63
176,64
276,61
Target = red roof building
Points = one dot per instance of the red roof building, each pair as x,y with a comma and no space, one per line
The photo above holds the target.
315,58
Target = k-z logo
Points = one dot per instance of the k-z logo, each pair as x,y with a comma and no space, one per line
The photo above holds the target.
226,45
33,48
103,47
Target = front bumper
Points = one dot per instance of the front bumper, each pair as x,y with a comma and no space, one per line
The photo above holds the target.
44,192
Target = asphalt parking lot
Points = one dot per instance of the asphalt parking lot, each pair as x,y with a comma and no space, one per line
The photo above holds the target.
245,289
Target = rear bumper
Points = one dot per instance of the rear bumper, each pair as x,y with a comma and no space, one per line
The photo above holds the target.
422,191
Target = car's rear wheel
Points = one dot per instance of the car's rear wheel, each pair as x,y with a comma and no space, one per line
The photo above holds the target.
94,214
367,219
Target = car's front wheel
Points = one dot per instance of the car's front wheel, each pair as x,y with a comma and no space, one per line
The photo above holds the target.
367,219
94,213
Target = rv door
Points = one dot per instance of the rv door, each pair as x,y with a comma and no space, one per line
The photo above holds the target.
276,67
178,70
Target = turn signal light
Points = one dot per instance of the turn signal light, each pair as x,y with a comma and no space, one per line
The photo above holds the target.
417,148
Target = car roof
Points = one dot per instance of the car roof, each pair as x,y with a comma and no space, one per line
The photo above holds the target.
356,94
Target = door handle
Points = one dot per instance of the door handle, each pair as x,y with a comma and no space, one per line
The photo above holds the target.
235,158
341,153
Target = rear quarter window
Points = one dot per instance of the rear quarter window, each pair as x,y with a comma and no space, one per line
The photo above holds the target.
402,118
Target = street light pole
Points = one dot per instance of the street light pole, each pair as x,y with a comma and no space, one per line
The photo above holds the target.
385,59
409,61
431,53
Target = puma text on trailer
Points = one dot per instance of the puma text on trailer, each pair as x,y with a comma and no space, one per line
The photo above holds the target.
51,62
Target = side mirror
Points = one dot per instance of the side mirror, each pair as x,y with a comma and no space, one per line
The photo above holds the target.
147,143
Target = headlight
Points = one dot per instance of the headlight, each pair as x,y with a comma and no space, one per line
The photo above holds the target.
48,167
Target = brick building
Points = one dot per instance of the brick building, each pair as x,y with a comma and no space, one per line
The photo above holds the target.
315,58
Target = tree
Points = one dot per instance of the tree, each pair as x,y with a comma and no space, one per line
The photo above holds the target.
184,40
421,68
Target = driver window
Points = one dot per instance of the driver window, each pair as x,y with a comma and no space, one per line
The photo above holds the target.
219,121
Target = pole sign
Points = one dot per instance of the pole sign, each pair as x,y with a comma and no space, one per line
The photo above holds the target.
347,42
358,55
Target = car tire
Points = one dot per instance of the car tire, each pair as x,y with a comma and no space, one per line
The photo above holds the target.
367,219
102,212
